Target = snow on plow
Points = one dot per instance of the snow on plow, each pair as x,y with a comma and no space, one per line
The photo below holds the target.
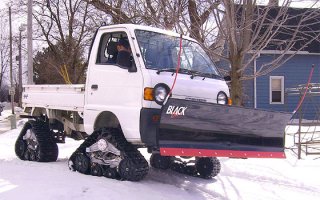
189,128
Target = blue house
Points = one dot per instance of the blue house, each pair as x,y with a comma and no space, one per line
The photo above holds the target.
269,91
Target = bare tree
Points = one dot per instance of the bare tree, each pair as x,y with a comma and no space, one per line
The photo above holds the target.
71,23
184,16
248,28
4,46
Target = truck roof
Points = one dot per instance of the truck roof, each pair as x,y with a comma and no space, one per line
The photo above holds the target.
133,27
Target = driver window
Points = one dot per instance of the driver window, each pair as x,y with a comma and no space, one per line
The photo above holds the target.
114,49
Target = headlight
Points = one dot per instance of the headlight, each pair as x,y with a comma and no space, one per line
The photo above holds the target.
160,93
222,98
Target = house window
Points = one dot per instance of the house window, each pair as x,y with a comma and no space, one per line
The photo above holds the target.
276,89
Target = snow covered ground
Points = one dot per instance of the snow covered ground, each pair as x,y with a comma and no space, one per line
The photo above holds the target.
239,179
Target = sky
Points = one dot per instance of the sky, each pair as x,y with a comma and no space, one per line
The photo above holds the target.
297,3
3,3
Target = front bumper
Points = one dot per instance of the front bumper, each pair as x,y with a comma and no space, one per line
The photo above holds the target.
149,123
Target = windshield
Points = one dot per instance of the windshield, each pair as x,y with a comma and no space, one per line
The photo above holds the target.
160,51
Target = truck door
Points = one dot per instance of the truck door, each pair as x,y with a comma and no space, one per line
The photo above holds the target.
112,88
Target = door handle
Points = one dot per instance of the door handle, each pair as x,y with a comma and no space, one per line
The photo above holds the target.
94,86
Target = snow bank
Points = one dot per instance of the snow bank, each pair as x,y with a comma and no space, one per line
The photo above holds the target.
5,117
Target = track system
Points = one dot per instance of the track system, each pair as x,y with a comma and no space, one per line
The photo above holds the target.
199,167
36,143
107,153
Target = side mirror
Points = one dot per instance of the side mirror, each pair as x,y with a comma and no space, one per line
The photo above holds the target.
227,78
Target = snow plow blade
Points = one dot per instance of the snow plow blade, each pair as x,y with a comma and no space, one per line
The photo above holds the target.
189,128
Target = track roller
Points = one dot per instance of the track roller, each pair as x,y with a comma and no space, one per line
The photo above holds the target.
96,170
207,167
82,163
160,162
111,173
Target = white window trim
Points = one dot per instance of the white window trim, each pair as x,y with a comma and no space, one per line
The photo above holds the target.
282,89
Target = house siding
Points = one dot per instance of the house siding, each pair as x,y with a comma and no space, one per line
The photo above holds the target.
295,71
248,93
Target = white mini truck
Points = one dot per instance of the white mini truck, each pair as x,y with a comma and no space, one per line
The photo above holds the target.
129,101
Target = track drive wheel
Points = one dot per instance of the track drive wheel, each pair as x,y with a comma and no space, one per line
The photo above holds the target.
207,167
160,162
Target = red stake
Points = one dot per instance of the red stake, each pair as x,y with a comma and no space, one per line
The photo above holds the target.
305,92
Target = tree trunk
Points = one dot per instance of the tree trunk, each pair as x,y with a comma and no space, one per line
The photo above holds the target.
195,21
1,69
236,84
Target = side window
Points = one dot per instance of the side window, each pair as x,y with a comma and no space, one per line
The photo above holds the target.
276,89
108,52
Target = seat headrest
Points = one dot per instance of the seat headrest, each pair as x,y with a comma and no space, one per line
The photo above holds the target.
112,48
124,42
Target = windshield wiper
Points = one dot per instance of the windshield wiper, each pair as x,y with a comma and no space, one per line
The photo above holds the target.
204,75
166,70
173,70
196,73
189,72
184,71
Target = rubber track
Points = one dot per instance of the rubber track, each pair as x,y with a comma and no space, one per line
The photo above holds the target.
192,170
47,147
128,151
213,169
